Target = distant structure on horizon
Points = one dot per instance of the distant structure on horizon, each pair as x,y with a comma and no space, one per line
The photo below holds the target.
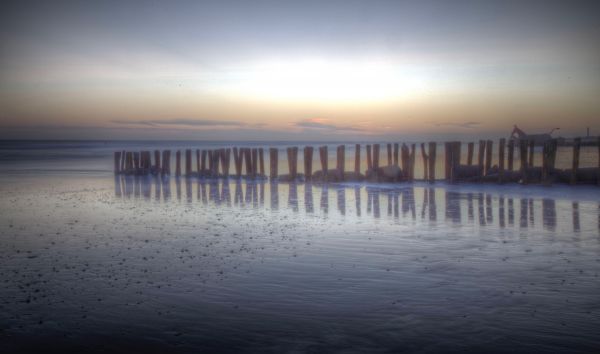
538,139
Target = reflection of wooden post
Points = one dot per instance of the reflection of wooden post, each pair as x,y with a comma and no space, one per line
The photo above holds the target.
511,154
273,160
308,157
470,149
480,157
323,157
261,160
117,162
432,153
188,162
341,159
501,149
488,156
376,156
576,149
523,158
389,154
531,149
357,159
369,158
396,148
178,163
425,162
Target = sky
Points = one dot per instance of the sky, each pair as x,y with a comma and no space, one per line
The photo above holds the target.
298,70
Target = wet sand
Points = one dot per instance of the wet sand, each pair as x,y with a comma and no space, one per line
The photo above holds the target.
96,264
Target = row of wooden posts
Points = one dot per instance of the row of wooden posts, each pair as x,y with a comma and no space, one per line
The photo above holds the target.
208,162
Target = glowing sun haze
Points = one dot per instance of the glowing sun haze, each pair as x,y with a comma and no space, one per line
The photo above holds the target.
322,70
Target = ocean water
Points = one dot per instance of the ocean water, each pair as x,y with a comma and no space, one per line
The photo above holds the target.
97,263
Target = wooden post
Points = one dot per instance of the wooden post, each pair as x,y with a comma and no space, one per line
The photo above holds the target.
273,161
545,162
248,158
480,157
523,158
136,161
216,159
488,156
237,161
166,162
470,149
357,159
178,163
411,175
261,160
431,158
341,161
225,158
389,154
598,173
254,162
376,156
511,154
157,160
531,149
188,162
396,148
123,166
501,149
117,162
447,160
575,167
455,148
324,159
211,161
425,162
308,157
369,158
292,155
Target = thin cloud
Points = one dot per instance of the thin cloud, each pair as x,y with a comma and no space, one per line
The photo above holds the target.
465,125
319,125
182,122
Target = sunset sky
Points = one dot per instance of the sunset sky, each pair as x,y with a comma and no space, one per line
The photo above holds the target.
276,70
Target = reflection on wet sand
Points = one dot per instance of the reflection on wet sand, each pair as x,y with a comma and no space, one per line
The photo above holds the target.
457,207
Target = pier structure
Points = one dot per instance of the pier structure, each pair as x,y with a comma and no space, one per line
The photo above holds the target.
493,163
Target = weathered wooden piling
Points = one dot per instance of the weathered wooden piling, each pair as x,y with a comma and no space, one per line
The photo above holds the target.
413,152
523,157
480,157
178,163
447,161
248,158
136,160
389,154
531,149
166,162
511,154
501,148
157,160
198,166
488,156
376,156
341,161
598,174
273,161
117,162
225,158
254,162
237,162
431,158
261,160
455,148
357,159
188,162
396,148
123,166
210,161
405,159
470,150
292,154
308,157
575,165
324,159
369,158
425,162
